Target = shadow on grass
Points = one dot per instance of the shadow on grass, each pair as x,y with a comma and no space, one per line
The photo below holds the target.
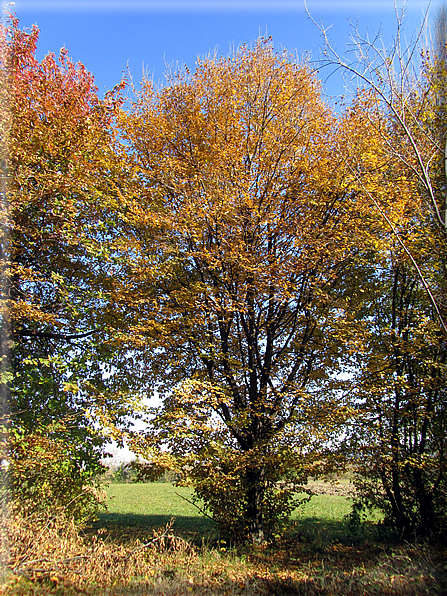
130,523
197,529
320,530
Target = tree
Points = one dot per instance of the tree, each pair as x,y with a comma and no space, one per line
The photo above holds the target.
244,219
398,443
408,84
57,225
400,383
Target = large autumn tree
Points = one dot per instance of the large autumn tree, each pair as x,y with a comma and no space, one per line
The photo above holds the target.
60,180
243,221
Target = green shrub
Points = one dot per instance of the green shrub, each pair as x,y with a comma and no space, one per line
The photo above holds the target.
40,471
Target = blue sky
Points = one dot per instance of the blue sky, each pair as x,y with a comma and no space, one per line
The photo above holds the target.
108,35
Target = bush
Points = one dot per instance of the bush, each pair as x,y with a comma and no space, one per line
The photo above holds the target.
40,472
223,480
220,477
414,508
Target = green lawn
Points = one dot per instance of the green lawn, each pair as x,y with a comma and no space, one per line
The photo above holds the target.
153,498
151,505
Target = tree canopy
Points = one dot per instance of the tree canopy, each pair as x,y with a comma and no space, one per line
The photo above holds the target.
400,382
60,178
254,216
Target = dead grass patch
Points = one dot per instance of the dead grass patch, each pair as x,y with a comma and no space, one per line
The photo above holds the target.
47,555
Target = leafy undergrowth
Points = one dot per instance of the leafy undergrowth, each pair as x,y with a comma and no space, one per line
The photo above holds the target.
45,555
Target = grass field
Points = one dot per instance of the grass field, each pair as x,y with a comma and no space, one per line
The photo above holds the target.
152,505
317,555
129,551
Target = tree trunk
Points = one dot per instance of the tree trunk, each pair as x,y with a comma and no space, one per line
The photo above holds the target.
255,494
424,497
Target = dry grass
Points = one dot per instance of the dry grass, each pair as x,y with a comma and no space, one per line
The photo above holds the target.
45,555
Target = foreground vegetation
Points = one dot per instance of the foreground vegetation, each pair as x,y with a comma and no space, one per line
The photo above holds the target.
128,551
